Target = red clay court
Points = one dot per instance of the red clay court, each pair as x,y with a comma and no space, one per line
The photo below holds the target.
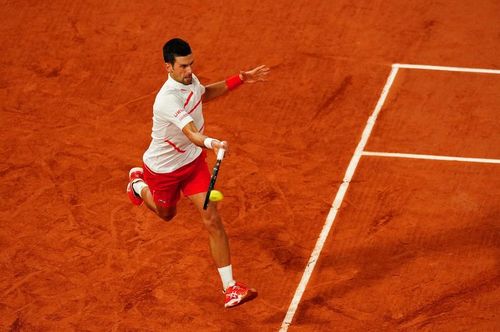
362,191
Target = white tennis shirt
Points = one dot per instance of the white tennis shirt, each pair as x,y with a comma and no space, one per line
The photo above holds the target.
175,106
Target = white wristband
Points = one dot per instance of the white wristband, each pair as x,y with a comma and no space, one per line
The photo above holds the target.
208,142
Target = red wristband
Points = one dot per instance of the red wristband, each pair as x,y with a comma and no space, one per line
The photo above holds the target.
233,82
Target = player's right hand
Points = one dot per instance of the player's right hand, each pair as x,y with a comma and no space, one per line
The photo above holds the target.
220,144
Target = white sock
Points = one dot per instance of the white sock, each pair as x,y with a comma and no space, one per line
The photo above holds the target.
137,186
226,275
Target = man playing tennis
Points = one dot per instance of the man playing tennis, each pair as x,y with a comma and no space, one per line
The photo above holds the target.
175,159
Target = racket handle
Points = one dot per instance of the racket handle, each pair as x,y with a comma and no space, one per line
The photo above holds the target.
220,154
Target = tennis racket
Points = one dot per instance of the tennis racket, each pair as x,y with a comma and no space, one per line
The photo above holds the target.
213,178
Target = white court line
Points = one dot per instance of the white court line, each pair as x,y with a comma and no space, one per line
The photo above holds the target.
336,204
430,157
444,68
358,153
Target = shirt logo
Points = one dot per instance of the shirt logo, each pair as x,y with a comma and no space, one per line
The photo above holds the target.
180,114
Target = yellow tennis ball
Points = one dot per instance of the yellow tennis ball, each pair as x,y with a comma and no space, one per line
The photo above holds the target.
216,196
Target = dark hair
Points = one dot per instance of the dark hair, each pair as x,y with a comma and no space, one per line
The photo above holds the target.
173,48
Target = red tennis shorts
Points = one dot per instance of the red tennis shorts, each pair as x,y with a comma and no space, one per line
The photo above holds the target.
191,179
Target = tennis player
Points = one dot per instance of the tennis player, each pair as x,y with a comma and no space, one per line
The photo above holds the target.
175,160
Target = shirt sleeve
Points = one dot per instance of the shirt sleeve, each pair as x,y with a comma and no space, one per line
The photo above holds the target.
169,108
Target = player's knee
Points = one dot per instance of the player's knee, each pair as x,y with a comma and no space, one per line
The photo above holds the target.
213,223
167,217
168,214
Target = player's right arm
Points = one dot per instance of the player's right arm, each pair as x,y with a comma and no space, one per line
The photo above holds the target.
170,109
193,134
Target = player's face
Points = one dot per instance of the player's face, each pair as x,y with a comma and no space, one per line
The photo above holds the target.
182,70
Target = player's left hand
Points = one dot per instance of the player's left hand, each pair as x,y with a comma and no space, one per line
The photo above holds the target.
255,75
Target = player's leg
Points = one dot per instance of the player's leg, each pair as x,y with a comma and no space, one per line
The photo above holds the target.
235,293
166,192
195,189
194,185
219,244
167,213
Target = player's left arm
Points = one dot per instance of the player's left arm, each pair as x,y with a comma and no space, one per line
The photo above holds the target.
217,89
